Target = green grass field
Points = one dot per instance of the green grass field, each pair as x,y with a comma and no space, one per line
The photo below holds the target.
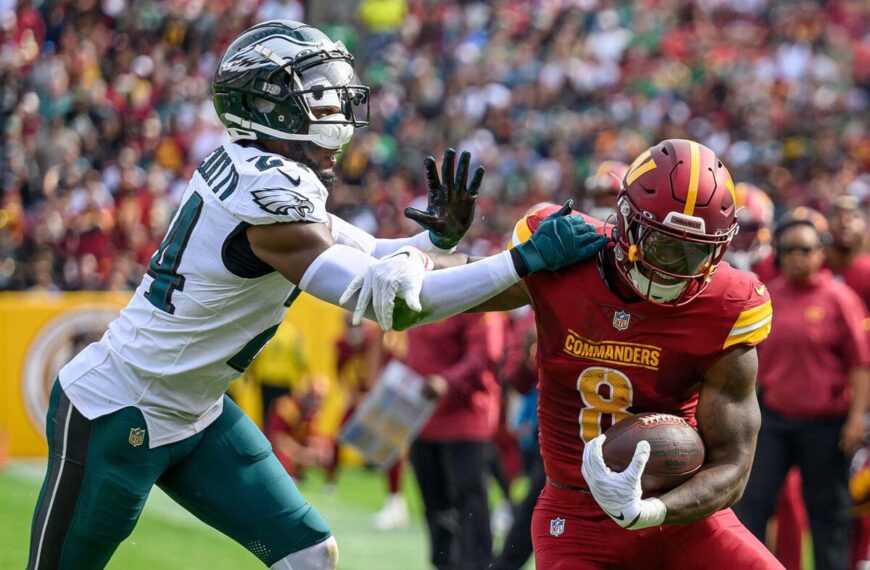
167,537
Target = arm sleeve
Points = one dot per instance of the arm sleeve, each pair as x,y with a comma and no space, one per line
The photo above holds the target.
445,292
421,241
350,235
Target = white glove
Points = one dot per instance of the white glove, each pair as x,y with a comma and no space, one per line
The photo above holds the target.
618,494
399,274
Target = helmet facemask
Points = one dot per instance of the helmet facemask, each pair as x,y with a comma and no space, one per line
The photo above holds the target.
324,81
662,262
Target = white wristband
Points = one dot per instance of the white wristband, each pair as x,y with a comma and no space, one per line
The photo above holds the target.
652,513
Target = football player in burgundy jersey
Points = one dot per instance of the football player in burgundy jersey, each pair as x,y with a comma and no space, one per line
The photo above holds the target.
657,322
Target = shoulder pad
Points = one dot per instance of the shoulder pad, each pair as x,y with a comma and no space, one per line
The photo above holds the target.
274,189
529,223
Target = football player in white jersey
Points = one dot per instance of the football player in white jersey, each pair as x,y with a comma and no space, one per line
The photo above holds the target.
145,405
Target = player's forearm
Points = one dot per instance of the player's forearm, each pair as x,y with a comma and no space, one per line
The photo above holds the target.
447,260
332,271
713,488
451,291
347,234
421,241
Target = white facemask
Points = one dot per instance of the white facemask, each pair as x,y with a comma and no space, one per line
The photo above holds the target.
330,135
657,292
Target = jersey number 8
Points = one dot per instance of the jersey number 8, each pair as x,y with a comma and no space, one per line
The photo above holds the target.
614,402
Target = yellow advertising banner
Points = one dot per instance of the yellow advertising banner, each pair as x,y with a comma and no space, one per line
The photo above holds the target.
40,332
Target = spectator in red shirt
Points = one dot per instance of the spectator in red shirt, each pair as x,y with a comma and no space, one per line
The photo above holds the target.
844,256
450,456
813,380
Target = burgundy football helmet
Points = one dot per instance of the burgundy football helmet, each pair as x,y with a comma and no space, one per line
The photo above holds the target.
755,218
602,189
676,216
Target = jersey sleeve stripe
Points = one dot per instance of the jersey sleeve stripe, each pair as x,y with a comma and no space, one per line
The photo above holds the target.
752,326
753,315
750,338
749,328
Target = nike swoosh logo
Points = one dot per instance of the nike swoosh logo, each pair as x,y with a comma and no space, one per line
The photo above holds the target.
621,516
760,289
293,181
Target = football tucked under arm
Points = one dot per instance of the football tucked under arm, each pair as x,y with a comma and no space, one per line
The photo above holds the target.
728,420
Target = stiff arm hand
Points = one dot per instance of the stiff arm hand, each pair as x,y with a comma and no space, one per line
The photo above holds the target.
450,209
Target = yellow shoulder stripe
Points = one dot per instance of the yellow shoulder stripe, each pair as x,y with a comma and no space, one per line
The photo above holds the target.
752,326
753,315
522,232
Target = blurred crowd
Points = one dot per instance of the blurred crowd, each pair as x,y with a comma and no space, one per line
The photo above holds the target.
105,109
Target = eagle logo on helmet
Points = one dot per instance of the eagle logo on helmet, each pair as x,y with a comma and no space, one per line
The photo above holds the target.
281,201
246,59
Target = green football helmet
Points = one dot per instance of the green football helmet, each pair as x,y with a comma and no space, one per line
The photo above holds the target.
275,75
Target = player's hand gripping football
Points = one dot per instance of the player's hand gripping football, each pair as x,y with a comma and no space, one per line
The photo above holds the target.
561,240
619,494
396,275
450,211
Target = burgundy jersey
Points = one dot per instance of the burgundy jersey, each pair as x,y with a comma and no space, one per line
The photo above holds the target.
857,276
601,359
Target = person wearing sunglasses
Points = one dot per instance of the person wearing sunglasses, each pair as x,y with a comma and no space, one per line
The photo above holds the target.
813,389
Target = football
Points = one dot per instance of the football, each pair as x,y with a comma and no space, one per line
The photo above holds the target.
676,449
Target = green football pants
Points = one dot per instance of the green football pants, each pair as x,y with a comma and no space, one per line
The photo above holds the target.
100,473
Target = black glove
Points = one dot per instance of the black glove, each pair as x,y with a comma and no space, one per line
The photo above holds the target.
450,211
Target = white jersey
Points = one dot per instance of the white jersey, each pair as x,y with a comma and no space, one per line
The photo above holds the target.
195,323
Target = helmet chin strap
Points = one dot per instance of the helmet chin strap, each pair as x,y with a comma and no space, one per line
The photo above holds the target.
657,292
329,135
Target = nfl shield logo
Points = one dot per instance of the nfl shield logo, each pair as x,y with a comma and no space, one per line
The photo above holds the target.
137,436
620,320
557,526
